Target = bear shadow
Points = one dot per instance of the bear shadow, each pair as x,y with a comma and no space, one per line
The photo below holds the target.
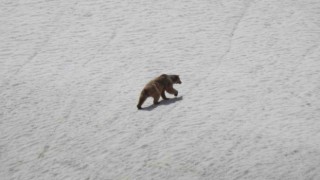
163,102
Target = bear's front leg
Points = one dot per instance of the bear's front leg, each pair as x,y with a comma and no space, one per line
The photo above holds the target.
156,99
171,90
163,95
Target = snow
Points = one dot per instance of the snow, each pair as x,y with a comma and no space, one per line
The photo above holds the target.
71,73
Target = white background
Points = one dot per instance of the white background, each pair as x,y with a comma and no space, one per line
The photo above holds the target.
71,73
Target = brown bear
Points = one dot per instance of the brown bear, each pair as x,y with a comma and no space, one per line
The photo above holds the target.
157,88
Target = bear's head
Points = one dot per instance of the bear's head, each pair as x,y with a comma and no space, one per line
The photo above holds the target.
176,79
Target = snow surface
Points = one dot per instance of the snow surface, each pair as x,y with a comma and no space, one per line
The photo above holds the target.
71,72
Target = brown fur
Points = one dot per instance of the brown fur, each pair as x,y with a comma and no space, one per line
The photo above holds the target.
157,88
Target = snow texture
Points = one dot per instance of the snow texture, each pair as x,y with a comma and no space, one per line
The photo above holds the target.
71,73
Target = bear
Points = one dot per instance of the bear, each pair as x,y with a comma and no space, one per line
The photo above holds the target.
157,87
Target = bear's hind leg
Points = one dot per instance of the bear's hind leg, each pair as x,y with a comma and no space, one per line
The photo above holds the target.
141,101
